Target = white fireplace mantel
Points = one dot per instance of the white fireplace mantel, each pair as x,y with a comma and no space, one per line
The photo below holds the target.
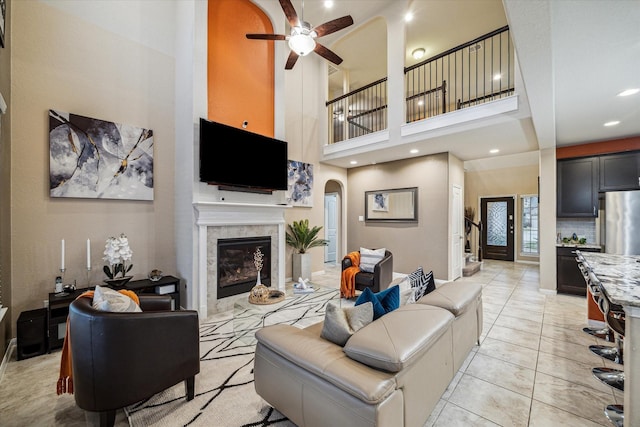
221,214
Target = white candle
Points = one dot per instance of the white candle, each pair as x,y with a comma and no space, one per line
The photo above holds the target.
88,254
62,255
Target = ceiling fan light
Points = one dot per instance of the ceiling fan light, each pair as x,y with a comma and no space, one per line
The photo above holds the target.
302,44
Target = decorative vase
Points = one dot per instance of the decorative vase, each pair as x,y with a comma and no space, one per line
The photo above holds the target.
117,282
302,265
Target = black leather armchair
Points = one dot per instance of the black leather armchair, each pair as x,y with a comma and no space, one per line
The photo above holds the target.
122,358
378,280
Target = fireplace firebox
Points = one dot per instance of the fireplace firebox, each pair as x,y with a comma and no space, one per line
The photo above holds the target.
236,270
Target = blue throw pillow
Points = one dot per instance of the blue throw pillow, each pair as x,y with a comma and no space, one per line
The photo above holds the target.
383,302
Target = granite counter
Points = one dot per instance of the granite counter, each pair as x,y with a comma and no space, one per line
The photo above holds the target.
620,278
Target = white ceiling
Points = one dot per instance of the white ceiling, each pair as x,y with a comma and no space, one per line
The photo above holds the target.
574,57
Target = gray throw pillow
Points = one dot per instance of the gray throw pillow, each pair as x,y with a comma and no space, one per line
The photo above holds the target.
370,257
106,299
341,323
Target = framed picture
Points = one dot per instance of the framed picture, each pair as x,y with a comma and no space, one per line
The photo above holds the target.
97,159
399,205
3,15
300,184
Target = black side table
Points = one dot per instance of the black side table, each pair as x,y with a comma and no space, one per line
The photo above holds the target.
32,333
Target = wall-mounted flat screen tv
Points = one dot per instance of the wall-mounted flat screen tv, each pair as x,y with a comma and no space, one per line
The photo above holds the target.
238,158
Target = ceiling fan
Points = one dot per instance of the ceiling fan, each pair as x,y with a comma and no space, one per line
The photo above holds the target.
302,39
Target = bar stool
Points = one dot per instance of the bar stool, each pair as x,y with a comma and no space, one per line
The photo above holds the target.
594,291
615,414
615,318
613,314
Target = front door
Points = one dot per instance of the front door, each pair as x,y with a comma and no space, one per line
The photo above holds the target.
497,215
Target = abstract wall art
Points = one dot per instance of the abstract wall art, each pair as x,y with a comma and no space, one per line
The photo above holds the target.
299,184
97,159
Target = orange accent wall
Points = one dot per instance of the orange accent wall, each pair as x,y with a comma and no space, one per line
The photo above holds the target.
240,71
596,148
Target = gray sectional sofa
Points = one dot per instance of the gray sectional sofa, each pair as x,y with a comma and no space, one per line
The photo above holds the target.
390,373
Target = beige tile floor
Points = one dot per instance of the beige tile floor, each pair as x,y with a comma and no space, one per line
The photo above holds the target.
532,368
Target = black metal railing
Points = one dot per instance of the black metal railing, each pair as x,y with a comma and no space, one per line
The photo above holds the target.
358,112
469,226
472,73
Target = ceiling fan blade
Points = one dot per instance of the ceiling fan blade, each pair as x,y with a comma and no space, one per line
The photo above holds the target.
267,36
290,12
333,25
291,60
327,54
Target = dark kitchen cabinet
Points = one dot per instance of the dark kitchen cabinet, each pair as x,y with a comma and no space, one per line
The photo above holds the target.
569,277
578,187
620,172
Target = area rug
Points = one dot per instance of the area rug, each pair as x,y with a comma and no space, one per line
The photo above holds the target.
225,394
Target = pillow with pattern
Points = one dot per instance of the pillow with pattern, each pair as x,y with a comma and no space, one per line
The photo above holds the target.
422,282
370,257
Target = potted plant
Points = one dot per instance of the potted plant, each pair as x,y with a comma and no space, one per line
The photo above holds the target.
301,238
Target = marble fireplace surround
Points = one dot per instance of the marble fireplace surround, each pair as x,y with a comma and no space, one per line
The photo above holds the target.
222,220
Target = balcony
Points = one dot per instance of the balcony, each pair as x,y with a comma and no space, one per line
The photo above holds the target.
436,90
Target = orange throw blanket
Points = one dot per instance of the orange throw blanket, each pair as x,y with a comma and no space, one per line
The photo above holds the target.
65,381
348,277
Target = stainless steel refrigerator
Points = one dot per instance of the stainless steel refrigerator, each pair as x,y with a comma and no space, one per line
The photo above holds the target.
622,222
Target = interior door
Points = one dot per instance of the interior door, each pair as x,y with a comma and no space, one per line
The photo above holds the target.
456,233
497,214
331,227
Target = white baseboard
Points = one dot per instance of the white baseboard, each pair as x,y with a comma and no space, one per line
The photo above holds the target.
7,357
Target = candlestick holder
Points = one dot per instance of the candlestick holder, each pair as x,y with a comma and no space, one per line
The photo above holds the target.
88,277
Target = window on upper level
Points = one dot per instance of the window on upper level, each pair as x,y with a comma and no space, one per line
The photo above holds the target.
529,223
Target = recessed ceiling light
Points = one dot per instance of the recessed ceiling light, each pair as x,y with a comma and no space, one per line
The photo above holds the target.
353,162
612,123
497,77
494,151
629,92
328,4
418,53
421,102
408,17
414,151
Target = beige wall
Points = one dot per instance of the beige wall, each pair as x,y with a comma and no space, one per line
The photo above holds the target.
423,243
62,62
5,183
516,181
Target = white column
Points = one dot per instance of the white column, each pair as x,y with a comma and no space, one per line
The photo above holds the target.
632,367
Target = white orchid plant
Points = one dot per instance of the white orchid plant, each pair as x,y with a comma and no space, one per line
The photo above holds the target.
117,252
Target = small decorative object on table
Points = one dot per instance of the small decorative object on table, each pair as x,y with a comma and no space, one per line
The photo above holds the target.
261,294
303,287
117,252
155,275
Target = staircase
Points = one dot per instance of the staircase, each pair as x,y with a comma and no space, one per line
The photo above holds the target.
471,267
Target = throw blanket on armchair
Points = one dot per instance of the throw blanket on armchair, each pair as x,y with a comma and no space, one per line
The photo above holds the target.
65,381
348,277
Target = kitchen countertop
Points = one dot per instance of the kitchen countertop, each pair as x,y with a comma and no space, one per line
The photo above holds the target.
619,275
577,245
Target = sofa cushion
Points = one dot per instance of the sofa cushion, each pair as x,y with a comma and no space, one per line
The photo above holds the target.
383,302
370,257
456,297
393,342
106,299
423,283
341,323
